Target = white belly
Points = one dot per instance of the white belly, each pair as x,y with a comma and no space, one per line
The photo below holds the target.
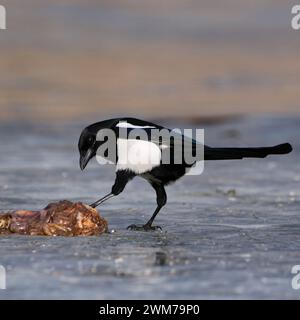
138,156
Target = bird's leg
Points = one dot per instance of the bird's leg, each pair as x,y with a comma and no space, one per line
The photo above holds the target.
98,202
122,178
161,198
148,225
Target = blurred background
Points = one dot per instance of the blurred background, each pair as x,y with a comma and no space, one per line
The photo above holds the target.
75,59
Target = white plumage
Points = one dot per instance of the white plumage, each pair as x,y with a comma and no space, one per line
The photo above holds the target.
132,126
138,156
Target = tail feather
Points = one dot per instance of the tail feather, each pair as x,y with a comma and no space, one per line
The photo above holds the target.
240,153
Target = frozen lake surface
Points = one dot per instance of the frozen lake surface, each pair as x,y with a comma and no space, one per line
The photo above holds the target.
233,232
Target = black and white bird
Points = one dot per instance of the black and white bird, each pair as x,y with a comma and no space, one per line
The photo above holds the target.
157,173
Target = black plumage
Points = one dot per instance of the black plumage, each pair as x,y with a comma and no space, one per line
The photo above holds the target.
158,174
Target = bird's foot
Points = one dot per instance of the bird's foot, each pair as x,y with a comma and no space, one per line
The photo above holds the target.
145,227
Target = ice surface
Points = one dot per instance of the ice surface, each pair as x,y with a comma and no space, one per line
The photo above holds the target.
233,232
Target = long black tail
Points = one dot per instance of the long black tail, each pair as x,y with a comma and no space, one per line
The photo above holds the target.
240,153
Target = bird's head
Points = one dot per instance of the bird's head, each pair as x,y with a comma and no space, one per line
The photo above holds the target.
88,143
87,147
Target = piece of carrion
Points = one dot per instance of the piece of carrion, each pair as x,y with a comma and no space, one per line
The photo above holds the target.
62,218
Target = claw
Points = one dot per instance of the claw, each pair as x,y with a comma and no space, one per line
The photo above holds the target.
145,227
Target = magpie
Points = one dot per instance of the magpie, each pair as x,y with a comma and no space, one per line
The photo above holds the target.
157,173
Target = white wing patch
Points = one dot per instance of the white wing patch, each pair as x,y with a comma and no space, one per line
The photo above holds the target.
132,126
138,156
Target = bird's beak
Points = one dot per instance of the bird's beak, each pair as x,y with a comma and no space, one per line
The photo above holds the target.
85,158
